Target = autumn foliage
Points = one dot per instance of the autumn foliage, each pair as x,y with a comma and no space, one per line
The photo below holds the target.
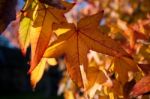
106,48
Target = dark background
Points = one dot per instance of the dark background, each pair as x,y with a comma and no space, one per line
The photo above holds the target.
14,80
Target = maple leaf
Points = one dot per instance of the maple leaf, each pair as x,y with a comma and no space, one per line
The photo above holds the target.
141,87
40,31
96,78
24,33
38,72
26,20
35,29
122,66
93,79
94,75
78,40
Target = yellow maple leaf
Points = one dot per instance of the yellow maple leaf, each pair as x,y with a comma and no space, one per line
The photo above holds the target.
25,24
41,29
78,40
38,72
24,33
35,29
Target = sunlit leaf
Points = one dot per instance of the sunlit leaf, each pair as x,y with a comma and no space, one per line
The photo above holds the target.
37,73
41,29
52,61
76,43
24,33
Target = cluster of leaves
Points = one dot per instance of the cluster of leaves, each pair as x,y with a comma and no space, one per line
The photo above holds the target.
44,27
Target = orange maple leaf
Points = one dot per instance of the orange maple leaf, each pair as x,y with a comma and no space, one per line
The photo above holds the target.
41,29
123,66
78,40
